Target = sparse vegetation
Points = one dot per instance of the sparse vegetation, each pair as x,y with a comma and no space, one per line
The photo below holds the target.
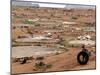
42,66
74,17
29,22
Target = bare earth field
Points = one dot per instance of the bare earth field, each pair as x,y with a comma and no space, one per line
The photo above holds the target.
57,34
61,62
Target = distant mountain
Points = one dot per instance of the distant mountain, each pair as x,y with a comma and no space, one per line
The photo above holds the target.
15,0
24,3
79,6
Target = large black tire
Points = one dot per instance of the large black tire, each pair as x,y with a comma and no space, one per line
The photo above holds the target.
84,59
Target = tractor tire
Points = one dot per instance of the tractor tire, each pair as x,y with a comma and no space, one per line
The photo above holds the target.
84,59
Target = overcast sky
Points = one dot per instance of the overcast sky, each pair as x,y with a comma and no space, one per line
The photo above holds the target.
27,3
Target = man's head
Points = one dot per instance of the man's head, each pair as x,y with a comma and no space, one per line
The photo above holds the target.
83,46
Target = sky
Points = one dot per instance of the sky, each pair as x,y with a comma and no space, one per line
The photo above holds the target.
55,5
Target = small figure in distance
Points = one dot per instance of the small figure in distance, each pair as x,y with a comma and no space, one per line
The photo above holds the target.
83,56
84,49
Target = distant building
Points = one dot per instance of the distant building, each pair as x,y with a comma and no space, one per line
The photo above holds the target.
25,3
69,23
85,37
21,26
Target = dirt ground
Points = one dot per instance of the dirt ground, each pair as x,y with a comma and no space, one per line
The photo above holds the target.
53,20
62,62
